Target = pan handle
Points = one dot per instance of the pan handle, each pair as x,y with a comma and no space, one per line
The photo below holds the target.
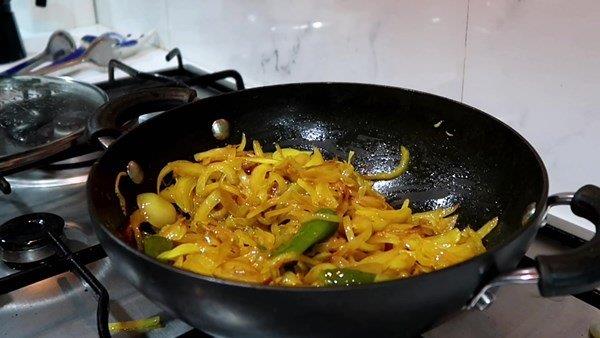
577,270
104,125
573,272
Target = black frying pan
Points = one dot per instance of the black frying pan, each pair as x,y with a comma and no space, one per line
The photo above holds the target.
471,158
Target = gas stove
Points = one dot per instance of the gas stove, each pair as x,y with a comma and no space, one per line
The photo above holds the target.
48,300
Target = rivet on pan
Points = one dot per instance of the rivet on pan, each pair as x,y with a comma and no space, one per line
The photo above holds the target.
220,129
135,173
528,215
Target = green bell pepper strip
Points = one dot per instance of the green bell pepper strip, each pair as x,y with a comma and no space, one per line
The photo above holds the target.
311,232
154,245
346,277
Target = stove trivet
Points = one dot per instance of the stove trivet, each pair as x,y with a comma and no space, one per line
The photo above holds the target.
31,238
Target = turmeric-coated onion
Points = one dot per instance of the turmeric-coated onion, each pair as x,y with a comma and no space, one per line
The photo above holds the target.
156,210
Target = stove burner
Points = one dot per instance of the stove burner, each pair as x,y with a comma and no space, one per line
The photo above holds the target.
25,240
31,238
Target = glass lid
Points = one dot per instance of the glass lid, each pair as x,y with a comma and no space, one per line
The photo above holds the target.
37,112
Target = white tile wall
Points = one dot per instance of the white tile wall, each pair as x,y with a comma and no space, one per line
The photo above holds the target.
135,17
58,14
536,65
405,43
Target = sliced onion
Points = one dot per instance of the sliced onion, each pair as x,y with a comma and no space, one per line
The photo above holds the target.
156,210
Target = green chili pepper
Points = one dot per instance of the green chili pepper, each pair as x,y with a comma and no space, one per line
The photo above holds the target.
346,277
154,245
311,232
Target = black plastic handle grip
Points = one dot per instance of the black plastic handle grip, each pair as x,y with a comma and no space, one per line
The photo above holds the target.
578,270
108,119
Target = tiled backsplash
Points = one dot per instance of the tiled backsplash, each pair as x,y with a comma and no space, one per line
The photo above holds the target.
407,43
136,16
536,65
58,14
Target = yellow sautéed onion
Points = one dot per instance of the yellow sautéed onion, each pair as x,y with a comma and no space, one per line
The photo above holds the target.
251,216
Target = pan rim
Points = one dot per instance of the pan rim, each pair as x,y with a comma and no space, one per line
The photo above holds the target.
540,204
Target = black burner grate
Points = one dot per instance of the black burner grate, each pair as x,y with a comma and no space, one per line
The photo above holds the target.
181,75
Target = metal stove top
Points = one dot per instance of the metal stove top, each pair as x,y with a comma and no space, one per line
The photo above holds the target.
63,306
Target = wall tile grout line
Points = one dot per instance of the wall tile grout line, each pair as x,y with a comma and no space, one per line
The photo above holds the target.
95,6
168,24
462,86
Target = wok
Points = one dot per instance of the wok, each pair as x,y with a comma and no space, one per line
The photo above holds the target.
470,158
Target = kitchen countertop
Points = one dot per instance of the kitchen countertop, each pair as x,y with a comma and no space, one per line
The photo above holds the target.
564,143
